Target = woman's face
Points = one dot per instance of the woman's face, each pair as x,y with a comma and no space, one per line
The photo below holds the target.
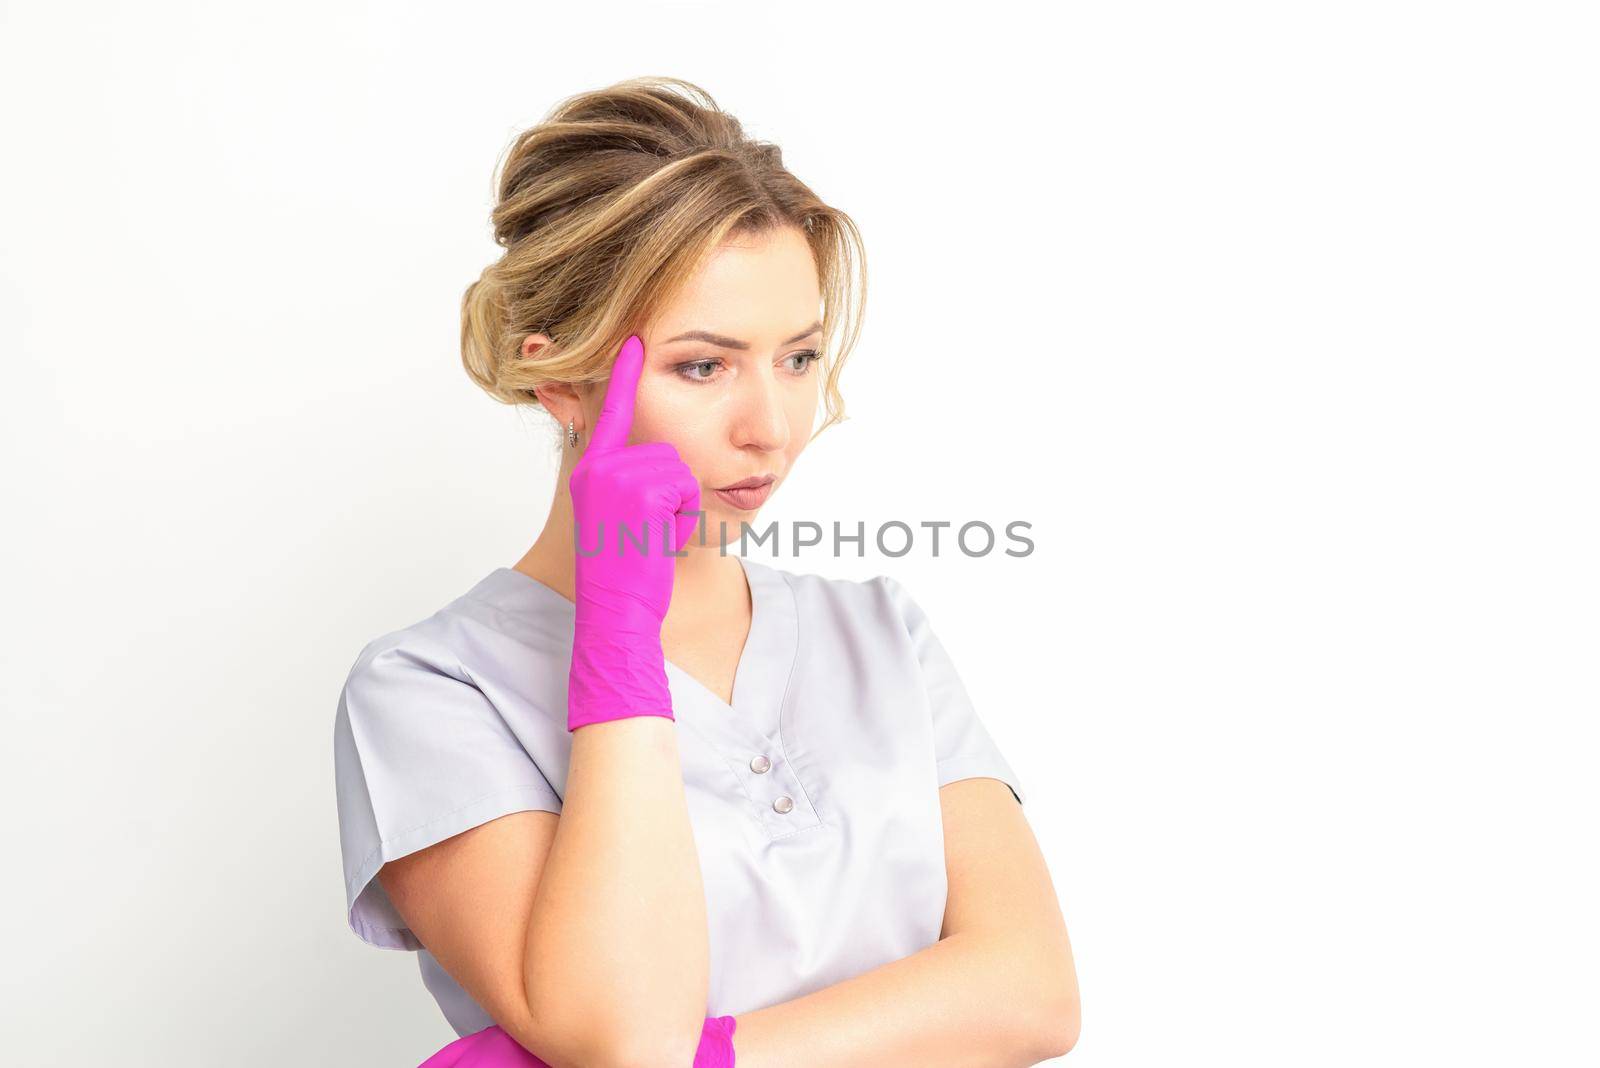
730,376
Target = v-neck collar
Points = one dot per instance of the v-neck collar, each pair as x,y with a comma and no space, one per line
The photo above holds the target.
761,675
756,727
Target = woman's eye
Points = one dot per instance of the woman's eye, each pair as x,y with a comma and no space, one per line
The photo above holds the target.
692,371
809,358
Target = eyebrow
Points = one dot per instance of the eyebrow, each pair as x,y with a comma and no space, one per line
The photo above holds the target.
732,343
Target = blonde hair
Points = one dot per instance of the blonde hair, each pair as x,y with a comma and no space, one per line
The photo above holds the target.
608,206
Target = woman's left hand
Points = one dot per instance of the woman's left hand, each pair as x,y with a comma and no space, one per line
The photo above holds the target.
489,1048
493,1048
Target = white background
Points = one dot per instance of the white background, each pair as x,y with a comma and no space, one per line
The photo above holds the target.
1278,322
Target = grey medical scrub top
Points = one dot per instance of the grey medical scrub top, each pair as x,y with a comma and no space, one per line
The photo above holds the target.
813,797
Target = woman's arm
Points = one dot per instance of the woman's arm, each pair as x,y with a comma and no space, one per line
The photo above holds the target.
617,945
967,1001
998,990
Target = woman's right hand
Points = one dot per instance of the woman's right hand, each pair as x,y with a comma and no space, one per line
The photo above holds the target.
624,495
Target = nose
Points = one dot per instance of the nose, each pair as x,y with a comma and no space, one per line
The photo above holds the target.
761,421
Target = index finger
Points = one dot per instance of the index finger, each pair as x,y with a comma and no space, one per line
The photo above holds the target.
616,411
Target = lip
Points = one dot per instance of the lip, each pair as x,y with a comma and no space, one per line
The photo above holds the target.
748,494
749,483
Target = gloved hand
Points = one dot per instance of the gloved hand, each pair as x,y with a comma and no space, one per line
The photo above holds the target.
493,1048
624,495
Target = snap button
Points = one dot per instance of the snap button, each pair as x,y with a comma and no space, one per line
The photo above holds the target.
783,804
760,765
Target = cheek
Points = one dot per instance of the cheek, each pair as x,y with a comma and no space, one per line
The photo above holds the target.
668,415
686,427
802,419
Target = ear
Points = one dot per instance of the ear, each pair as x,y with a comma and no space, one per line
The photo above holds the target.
561,400
534,344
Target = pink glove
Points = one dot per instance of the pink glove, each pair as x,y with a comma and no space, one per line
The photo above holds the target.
493,1048
623,495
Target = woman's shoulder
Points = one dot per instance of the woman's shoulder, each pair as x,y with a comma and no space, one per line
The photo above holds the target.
397,658
503,608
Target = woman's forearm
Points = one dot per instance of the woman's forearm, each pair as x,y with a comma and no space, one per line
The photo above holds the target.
969,1001
617,946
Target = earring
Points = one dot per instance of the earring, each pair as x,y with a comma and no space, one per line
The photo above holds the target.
572,434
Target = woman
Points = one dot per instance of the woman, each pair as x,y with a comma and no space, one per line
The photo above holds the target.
640,800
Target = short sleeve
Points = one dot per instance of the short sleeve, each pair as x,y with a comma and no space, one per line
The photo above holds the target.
420,755
962,745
